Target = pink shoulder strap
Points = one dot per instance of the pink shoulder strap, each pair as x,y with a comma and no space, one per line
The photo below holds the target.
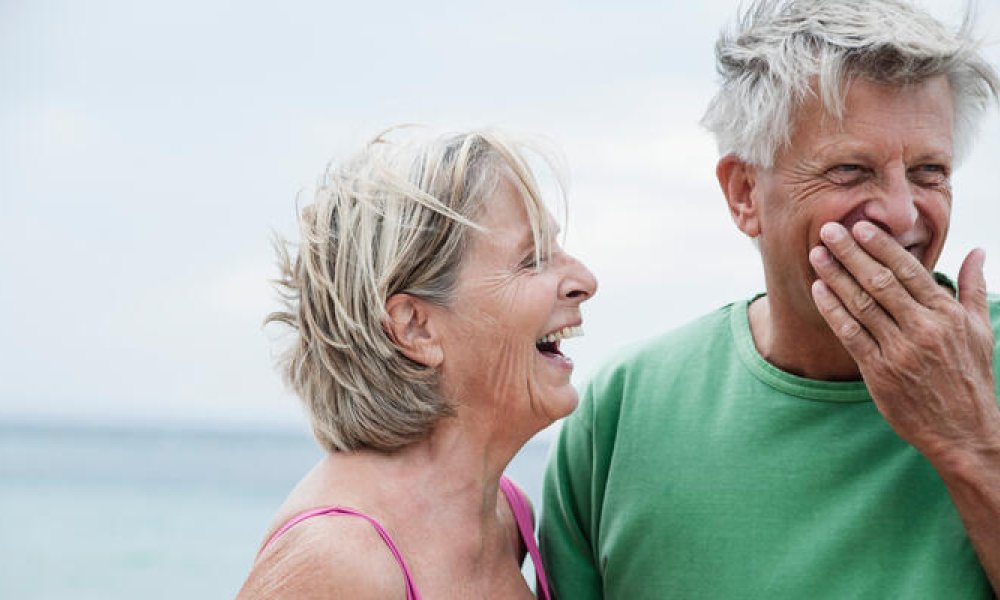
525,523
411,589
518,504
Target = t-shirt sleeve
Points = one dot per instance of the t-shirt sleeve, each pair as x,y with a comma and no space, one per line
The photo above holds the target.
568,513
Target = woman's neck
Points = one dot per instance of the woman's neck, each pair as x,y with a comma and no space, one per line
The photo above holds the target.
448,481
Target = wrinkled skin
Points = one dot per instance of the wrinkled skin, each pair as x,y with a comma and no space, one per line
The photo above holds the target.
503,303
925,356
851,220
927,360
887,161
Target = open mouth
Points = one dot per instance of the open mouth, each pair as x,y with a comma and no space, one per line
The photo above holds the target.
549,343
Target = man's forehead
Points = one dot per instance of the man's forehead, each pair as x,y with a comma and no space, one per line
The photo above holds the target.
923,111
862,94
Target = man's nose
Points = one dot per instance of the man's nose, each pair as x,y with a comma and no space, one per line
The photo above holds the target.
893,207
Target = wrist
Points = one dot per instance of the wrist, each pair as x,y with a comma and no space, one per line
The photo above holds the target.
966,460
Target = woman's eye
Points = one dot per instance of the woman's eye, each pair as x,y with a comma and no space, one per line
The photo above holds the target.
534,262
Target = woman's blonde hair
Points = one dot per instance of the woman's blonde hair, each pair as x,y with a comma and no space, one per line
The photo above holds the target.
395,218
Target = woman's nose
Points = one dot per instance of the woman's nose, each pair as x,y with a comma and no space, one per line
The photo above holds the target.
579,283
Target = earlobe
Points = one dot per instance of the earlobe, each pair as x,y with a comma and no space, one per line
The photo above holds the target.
409,323
739,182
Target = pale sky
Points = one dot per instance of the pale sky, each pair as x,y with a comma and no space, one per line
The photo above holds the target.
148,150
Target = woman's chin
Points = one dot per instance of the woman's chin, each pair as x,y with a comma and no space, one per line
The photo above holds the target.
561,405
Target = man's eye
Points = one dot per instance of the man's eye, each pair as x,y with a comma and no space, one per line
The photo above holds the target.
847,174
929,174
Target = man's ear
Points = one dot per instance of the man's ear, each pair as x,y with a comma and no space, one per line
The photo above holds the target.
410,324
738,181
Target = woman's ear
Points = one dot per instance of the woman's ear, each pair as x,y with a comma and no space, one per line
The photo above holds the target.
738,181
410,324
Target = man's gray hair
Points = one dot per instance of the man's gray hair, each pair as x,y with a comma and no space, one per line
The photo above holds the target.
780,53
396,218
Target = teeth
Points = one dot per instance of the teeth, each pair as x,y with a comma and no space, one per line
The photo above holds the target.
562,334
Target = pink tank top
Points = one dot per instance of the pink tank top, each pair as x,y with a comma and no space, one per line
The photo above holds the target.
518,505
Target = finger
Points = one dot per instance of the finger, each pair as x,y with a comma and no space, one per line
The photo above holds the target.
855,338
972,286
914,277
856,300
877,279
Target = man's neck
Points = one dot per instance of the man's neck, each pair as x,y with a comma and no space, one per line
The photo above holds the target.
803,347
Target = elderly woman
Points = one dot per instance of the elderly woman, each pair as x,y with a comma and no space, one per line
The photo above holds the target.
429,297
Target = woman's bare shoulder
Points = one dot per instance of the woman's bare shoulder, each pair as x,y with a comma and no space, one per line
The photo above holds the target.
324,557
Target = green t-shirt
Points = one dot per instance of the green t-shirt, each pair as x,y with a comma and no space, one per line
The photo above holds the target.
693,468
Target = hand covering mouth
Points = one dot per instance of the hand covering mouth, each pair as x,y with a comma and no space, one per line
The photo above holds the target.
549,343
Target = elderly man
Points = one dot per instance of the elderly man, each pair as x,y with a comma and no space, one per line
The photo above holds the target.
839,435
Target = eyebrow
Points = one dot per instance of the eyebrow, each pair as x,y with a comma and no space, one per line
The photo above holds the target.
938,156
865,152
527,241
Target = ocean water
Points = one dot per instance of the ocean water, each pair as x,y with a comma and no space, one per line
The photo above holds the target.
90,513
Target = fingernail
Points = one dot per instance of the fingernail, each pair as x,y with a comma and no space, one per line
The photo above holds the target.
821,293
832,232
819,255
864,231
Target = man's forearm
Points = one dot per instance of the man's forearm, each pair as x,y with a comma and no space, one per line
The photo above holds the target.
973,481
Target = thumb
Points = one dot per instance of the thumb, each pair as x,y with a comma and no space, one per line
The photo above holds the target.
972,285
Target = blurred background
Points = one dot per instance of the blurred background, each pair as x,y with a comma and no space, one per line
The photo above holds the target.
149,151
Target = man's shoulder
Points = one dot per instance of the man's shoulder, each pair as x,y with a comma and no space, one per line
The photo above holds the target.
695,341
703,331
669,365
